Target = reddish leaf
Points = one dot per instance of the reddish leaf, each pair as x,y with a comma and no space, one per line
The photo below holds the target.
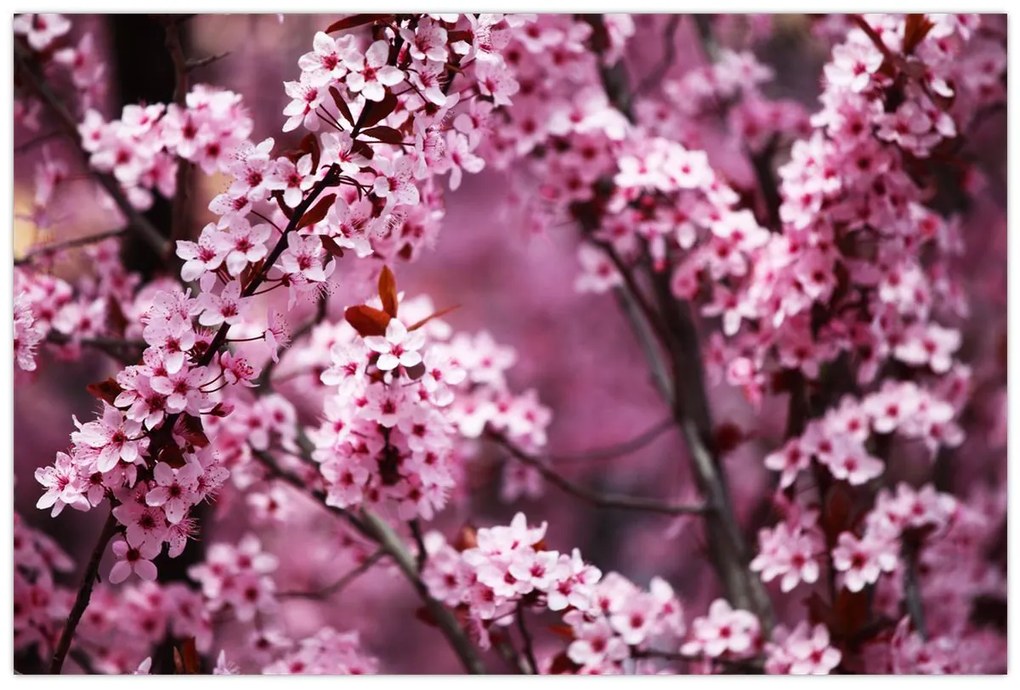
249,273
561,664
915,29
317,212
115,318
425,616
341,104
186,661
436,315
362,149
562,630
221,409
331,247
310,143
467,538
375,112
355,20
193,431
388,291
171,455
850,612
386,134
366,320
107,390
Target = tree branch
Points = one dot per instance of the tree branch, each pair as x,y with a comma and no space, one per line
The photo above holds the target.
589,495
68,244
37,84
339,585
81,601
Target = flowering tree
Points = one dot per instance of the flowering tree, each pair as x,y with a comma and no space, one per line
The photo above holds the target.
826,270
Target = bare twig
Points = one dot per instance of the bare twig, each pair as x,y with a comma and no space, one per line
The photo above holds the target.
594,497
81,601
529,650
68,244
617,449
912,588
197,63
339,585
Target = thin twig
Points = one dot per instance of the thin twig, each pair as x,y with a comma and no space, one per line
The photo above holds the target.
197,63
81,601
912,588
339,585
594,497
529,649
617,449
68,244
419,542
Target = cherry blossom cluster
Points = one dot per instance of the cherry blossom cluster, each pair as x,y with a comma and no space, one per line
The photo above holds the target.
404,394
837,441
327,652
39,603
141,148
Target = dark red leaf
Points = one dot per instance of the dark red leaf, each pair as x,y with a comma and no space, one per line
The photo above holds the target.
341,104
310,143
193,432
171,455
367,320
915,29
331,247
388,291
317,212
107,390
375,112
386,134
278,198
186,660
355,20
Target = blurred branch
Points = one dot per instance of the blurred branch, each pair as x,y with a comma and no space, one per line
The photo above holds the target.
529,651
68,244
617,449
185,169
912,587
590,495
339,585
29,75
125,351
689,398
656,74
391,544
197,63
81,601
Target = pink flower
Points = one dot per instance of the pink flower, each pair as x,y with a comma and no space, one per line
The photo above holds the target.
40,30
174,489
862,560
64,486
369,74
136,560
398,348
805,651
724,630
116,437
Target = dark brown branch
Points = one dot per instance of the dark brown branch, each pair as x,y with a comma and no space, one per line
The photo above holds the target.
594,497
81,601
529,648
185,169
